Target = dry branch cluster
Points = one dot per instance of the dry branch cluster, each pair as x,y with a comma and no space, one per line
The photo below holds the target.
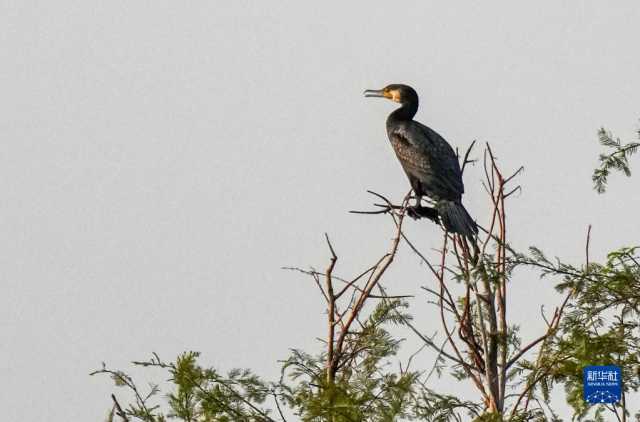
471,290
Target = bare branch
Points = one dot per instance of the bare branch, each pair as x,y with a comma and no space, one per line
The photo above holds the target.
119,411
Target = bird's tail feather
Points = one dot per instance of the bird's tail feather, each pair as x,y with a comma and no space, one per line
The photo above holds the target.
455,218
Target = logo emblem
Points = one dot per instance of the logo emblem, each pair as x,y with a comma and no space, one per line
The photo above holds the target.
602,384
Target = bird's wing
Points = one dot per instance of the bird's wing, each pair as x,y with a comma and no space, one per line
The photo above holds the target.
444,158
425,155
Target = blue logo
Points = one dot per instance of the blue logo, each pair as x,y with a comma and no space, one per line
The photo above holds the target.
602,384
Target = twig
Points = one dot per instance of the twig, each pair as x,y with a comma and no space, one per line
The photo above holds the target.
586,247
466,157
415,212
119,410
275,398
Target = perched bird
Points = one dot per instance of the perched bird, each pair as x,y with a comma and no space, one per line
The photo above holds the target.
428,160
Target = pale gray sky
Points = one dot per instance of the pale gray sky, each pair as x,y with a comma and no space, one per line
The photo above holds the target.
161,160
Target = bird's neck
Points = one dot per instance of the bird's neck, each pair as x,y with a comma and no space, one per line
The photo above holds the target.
404,113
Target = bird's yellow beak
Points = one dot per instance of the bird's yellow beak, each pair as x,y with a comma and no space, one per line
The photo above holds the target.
391,94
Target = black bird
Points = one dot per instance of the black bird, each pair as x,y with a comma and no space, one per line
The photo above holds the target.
428,160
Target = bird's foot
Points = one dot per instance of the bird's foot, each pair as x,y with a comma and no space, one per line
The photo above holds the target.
418,212
414,212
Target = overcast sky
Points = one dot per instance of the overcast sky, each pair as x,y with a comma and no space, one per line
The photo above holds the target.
161,160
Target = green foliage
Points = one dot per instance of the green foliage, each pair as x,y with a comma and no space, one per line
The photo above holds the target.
199,394
366,389
617,159
599,324
489,417
600,327
431,406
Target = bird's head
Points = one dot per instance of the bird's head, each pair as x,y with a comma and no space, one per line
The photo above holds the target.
395,92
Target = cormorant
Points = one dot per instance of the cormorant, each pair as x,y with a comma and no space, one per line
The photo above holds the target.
428,160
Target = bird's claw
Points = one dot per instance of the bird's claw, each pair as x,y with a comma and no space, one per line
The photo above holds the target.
414,212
